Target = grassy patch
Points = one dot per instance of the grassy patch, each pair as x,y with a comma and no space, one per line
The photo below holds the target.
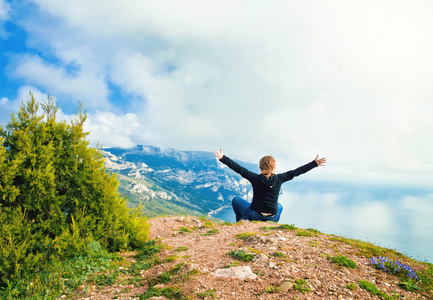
210,232
181,249
208,223
272,289
302,286
343,261
184,230
279,254
241,255
315,231
245,236
170,258
169,292
352,286
267,228
234,264
314,244
204,295
305,233
63,277
370,287
426,276
287,227
368,249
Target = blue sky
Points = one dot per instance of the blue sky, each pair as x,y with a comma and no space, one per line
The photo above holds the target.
349,80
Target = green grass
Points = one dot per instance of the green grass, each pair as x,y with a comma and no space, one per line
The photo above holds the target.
368,249
287,227
283,226
343,261
65,276
245,236
204,295
170,258
370,287
184,230
210,232
272,289
267,228
302,286
426,276
352,286
181,249
208,223
169,292
279,254
315,231
305,233
241,255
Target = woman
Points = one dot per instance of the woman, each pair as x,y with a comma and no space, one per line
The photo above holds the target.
266,187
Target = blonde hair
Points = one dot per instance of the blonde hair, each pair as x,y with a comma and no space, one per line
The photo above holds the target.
267,165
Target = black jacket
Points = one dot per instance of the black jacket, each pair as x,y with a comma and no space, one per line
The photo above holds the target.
266,191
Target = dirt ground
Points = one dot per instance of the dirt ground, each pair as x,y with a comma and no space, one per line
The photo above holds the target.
280,258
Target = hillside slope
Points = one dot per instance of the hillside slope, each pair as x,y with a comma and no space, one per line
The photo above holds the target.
193,252
170,181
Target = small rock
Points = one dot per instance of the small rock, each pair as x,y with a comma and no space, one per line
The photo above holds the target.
197,222
188,267
285,286
241,272
273,265
260,257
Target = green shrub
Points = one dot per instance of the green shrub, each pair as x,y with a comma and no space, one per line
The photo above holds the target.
56,196
351,286
288,227
343,261
370,287
305,233
315,231
241,255
302,286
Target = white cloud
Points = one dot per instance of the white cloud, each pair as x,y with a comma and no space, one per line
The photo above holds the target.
349,80
4,16
4,10
84,86
109,129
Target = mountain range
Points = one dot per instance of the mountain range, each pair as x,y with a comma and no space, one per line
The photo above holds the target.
170,181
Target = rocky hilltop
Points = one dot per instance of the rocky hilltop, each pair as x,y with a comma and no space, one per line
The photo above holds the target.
196,258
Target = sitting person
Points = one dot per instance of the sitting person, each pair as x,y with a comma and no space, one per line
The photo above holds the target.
266,187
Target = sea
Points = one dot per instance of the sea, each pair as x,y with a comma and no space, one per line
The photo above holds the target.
391,217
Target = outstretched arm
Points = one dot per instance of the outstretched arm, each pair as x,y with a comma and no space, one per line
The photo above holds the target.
219,154
245,173
320,161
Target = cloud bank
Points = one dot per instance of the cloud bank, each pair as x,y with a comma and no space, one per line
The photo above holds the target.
348,80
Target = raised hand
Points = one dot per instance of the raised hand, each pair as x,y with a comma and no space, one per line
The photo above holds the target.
320,161
219,154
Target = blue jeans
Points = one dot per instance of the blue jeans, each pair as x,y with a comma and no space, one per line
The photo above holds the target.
242,209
